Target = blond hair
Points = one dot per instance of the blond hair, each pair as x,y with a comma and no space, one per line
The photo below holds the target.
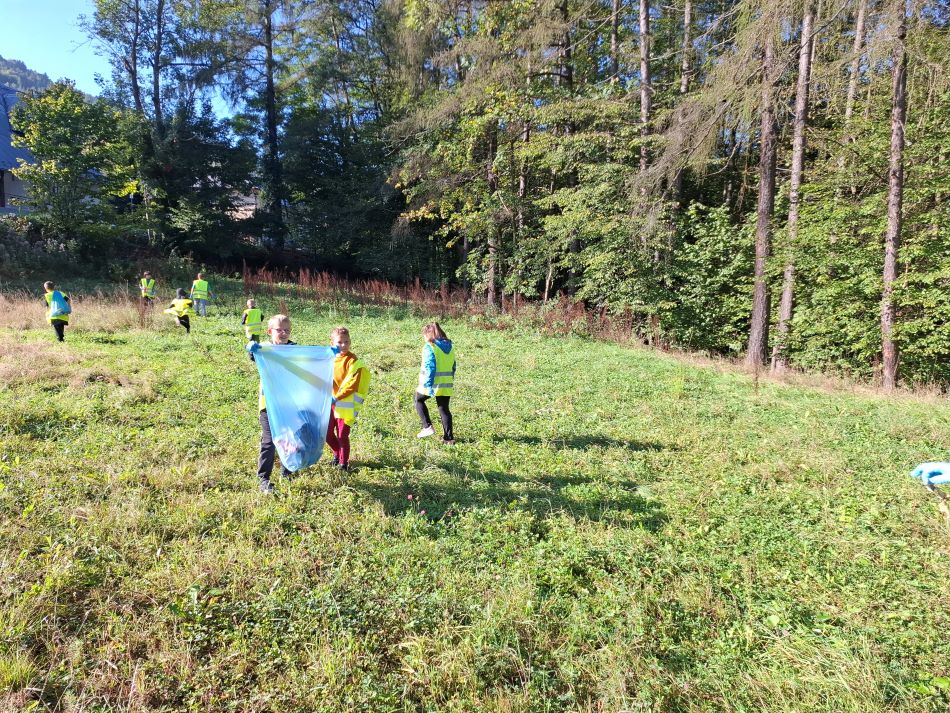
339,332
251,303
277,320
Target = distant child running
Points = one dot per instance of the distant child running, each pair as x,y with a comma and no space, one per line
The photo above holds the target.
436,378
253,321
350,385
201,293
181,310
59,310
278,331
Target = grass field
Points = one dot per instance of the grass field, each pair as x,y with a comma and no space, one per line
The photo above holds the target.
616,530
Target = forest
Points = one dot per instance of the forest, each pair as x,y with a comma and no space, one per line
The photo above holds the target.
762,179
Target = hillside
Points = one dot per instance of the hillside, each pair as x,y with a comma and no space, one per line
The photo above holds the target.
16,75
616,530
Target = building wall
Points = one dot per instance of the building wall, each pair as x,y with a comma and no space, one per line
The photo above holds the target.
12,188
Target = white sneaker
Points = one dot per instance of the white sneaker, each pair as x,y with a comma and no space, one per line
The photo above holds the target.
426,432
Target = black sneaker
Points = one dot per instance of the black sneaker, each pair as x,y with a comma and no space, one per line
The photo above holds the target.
335,461
266,486
344,467
449,441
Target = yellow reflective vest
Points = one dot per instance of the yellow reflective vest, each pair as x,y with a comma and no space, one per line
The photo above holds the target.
199,290
349,408
444,383
253,321
180,307
147,287
49,303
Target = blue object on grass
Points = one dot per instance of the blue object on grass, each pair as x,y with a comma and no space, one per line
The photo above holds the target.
298,385
932,473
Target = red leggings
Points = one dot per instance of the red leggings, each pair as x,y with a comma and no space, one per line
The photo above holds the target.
338,438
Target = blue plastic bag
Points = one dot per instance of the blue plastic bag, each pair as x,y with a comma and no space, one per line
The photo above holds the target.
298,386
58,306
932,473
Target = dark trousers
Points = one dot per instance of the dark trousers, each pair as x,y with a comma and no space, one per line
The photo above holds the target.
59,326
443,403
185,322
265,463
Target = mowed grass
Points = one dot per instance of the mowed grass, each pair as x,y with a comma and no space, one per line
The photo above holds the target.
616,530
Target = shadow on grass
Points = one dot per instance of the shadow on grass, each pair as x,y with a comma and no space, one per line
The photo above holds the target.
575,496
583,442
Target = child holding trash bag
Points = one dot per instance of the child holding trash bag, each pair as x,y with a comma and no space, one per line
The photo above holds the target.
278,331
59,310
350,385
181,310
436,378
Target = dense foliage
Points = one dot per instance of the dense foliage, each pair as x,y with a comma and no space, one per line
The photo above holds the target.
605,149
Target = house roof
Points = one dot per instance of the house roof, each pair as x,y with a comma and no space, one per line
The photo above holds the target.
8,153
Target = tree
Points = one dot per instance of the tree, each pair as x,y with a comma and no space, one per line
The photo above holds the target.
646,87
779,357
759,325
81,160
895,197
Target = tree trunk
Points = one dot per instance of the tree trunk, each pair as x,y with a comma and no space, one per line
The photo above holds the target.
132,62
157,64
855,61
684,87
759,326
492,180
646,90
786,306
274,194
615,41
566,80
895,197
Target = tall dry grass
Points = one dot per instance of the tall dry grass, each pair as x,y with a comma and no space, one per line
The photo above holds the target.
98,312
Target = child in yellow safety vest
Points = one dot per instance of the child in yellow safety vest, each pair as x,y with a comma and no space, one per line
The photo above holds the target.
181,310
147,289
350,386
253,321
278,331
436,378
201,293
59,310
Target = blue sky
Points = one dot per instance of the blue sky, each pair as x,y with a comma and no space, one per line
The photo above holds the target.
45,34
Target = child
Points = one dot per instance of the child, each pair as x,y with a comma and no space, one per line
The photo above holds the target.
147,289
278,331
181,309
59,310
436,378
253,321
350,384
201,293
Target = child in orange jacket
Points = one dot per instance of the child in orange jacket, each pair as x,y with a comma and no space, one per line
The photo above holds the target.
350,382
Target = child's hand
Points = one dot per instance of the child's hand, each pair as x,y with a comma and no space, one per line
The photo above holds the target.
252,346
